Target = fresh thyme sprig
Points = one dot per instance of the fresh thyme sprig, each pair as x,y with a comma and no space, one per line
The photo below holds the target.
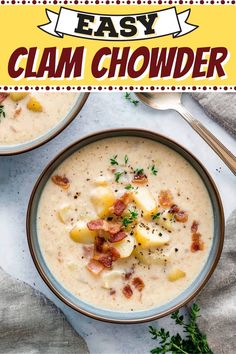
2,112
129,98
153,169
127,220
113,160
156,216
118,175
139,171
195,341
129,186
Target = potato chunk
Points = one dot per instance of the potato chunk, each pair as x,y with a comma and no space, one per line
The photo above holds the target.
148,235
145,201
111,277
64,214
101,181
34,105
80,233
176,274
125,247
165,220
17,96
102,199
152,256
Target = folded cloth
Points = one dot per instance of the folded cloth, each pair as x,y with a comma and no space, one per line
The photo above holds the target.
218,299
31,324
221,107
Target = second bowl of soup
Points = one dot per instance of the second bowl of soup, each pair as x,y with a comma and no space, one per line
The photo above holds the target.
29,119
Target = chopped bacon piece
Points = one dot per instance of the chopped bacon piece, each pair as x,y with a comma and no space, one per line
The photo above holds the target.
129,273
114,253
99,244
140,178
95,266
112,291
127,291
105,258
99,224
117,237
174,209
88,251
138,283
3,96
181,216
113,227
118,207
197,243
95,225
63,182
194,226
165,198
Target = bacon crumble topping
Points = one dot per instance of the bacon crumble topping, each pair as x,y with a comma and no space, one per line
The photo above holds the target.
3,96
165,198
181,216
107,226
140,178
95,266
127,291
194,227
197,243
138,283
61,181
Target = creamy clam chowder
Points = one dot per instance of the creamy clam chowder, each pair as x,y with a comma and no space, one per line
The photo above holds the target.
25,116
125,224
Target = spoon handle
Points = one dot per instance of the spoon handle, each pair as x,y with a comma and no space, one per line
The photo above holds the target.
226,155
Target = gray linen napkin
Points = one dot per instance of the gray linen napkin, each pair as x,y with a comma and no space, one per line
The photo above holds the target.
221,107
31,324
218,299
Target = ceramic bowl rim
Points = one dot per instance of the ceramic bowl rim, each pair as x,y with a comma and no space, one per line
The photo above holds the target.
33,144
96,137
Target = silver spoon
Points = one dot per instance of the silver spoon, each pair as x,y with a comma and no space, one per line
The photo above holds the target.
164,101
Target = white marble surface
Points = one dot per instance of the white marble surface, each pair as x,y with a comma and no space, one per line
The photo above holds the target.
18,175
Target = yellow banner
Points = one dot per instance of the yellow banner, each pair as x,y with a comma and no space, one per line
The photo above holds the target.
101,45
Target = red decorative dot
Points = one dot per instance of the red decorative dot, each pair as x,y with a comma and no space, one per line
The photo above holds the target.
222,2
120,88
68,88
26,88
201,2
173,88
215,88
162,88
47,88
99,88
97,2
79,88
2,2
89,88
141,88
194,88
225,88
204,88
152,88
